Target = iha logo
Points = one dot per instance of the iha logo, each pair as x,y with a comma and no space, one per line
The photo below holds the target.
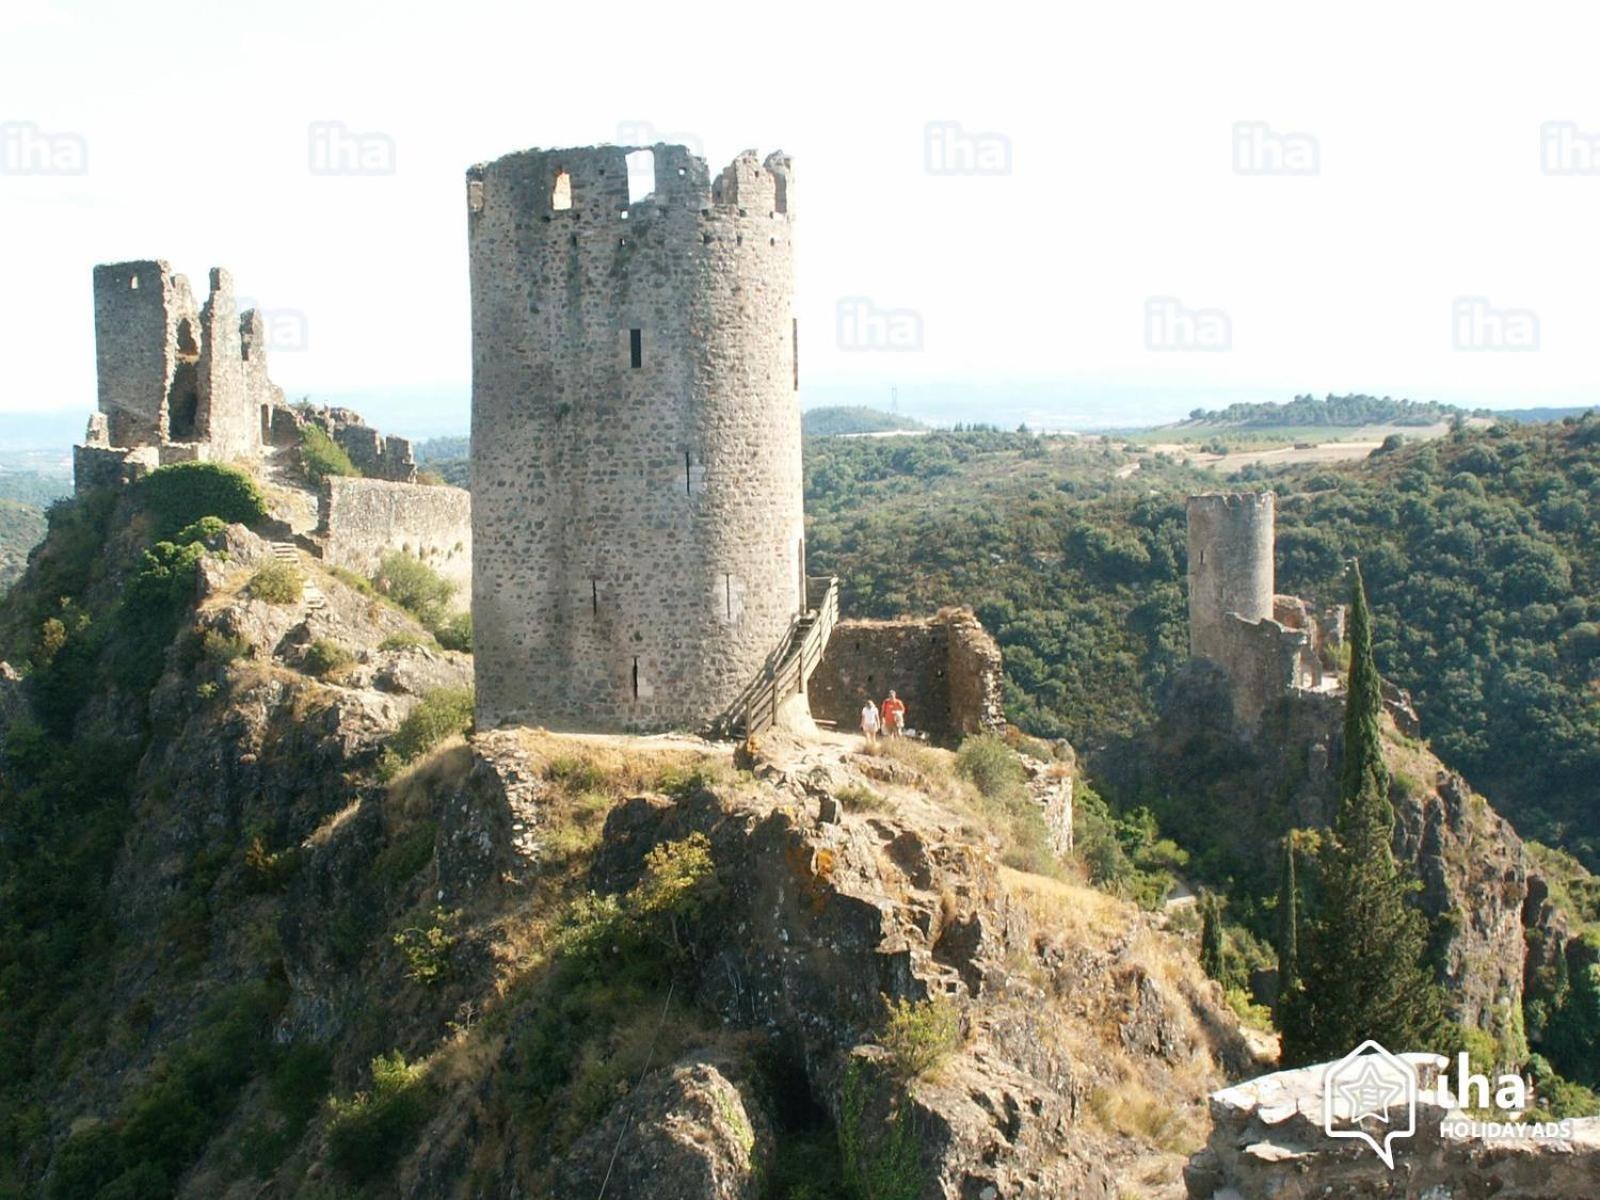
1258,149
1477,325
1366,1089
26,149
862,325
333,148
1170,325
1371,1095
948,149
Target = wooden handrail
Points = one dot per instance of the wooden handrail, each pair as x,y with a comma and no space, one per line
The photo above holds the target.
789,668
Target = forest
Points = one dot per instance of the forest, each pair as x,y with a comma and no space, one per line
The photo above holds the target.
1481,552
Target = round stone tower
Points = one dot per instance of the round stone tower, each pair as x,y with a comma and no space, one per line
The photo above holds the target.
637,526
1230,566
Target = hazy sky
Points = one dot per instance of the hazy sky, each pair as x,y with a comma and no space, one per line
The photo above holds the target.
1109,204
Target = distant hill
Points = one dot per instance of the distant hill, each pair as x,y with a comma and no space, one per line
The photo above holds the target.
835,422
35,488
21,529
436,449
1527,416
1351,410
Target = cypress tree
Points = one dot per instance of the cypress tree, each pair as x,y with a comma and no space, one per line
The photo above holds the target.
1288,932
1364,975
1212,956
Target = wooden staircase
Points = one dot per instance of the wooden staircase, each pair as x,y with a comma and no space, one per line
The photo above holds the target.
790,666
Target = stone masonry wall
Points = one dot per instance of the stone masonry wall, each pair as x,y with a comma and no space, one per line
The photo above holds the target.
946,668
188,382
361,520
637,521
1230,566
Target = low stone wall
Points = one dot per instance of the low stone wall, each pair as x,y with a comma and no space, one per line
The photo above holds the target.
361,520
1267,1143
946,668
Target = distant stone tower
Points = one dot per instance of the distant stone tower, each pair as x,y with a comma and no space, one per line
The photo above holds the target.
1230,567
638,533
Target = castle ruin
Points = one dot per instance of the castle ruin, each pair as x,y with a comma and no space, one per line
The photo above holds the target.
1269,645
638,533
183,383
177,381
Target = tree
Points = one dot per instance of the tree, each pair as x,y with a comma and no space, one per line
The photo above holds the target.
1364,973
1213,959
1288,933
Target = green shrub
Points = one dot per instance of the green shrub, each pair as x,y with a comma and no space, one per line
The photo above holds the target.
427,947
222,648
321,456
278,583
405,640
856,798
325,655
183,493
455,632
369,1133
440,714
882,1164
415,587
992,766
921,1035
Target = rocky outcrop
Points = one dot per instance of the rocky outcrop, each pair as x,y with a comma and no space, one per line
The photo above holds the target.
688,1133
1268,1143
1241,796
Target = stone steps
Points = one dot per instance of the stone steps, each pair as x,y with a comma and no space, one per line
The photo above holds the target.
315,598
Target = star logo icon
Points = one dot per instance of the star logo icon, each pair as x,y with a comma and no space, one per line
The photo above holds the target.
1369,1083
1370,1092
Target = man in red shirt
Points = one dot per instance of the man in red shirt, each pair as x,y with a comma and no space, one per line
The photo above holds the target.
894,714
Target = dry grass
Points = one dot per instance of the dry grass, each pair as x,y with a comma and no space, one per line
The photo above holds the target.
414,792
1071,909
1131,1109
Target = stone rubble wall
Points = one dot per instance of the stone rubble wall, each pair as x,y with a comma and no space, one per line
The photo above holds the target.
1267,1143
946,668
638,522
361,520
188,383
374,455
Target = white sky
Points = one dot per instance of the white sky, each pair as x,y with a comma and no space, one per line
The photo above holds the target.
1120,120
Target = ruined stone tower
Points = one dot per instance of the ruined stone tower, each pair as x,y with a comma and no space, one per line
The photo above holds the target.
1230,566
1269,645
638,535
177,381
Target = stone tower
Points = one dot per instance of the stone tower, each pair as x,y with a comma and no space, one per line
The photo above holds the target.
1230,567
177,381
638,534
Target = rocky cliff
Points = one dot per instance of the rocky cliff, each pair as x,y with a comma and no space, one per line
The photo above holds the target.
317,945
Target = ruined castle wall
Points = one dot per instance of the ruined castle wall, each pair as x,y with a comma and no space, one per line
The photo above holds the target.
946,668
229,418
137,307
1264,660
1230,567
361,520
637,523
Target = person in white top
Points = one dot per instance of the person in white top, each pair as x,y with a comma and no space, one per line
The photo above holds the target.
870,722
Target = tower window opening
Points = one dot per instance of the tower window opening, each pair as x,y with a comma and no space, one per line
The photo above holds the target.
561,192
133,284
636,348
641,175
594,596
635,676
688,476
727,586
